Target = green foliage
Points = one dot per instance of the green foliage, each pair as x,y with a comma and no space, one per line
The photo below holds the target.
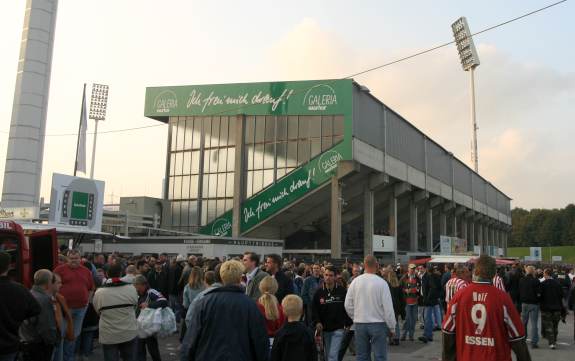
567,252
543,227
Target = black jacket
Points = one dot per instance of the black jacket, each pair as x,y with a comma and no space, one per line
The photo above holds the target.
285,285
512,280
16,305
431,288
212,336
398,298
551,295
529,290
328,308
294,341
174,275
158,281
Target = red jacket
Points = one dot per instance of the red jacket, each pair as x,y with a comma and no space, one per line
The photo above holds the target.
272,326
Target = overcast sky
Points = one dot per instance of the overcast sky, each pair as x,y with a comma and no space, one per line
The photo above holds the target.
525,83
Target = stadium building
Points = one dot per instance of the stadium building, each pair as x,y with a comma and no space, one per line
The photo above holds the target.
322,165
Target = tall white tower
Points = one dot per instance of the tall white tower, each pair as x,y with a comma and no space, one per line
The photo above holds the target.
26,141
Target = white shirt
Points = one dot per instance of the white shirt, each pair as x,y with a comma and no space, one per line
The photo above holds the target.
368,300
250,275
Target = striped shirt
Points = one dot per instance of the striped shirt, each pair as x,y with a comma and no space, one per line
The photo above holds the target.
498,283
452,286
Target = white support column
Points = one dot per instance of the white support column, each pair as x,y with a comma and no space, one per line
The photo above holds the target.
413,244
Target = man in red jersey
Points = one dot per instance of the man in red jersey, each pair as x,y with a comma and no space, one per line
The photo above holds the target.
481,322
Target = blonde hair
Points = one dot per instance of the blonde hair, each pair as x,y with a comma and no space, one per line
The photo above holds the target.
391,278
231,272
196,279
268,287
292,306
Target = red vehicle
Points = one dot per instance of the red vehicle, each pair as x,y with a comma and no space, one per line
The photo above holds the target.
29,252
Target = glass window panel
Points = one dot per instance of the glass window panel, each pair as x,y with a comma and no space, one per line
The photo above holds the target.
189,133
211,210
260,128
195,162
196,141
232,131
178,165
222,162
292,154
172,163
304,127
193,215
281,149
181,133
177,187
215,134
270,128
268,177
269,156
250,155
315,147
214,156
205,185
221,185
337,139
258,180
315,127
230,185
231,159
194,186
175,213
338,125
207,154
289,170
259,156
326,126
326,143
213,179
173,139
204,213
187,163
171,188
280,172
207,131
229,204
185,210
223,131
249,183
250,129
220,207
185,187
302,151
281,128
292,127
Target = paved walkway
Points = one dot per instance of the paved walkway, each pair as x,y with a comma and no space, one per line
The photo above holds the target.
415,351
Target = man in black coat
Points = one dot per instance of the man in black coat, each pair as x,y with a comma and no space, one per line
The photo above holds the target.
552,309
273,267
16,305
209,335
431,288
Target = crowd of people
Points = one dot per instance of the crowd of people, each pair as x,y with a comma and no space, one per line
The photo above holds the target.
279,309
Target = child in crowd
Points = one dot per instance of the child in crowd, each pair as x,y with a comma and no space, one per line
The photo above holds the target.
294,341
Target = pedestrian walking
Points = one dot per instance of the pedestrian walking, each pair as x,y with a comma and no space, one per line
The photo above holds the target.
269,307
552,308
457,282
529,291
368,303
273,267
398,300
310,285
77,287
431,289
482,323
411,286
254,275
148,298
63,318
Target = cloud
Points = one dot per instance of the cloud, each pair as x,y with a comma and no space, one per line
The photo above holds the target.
523,110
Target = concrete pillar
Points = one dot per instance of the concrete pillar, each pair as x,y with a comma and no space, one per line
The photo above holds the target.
429,227
413,226
335,218
480,237
239,176
393,223
464,228
454,225
368,204
471,240
442,223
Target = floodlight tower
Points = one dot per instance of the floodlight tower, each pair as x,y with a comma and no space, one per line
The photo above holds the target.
469,61
98,106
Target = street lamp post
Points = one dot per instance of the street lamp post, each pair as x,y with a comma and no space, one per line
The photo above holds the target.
98,106
469,61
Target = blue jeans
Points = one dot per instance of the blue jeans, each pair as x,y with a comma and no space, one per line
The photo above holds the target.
78,318
59,347
176,305
368,336
410,319
125,350
332,341
530,312
9,357
431,312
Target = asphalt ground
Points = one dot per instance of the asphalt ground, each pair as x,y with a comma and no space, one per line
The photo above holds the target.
409,350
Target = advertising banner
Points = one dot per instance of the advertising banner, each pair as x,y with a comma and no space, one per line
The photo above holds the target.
77,202
535,253
452,245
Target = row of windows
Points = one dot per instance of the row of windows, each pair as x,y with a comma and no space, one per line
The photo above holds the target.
214,185
191,132
185,213
268,129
